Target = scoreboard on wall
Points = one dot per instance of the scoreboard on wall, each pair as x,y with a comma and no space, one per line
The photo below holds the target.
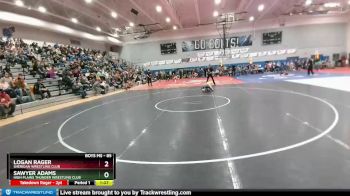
272,38
168,48
90,169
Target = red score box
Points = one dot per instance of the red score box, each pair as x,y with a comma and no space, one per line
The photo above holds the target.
33,183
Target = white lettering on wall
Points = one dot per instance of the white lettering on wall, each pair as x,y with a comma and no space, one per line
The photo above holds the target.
217,44
196,44
211,44
202,44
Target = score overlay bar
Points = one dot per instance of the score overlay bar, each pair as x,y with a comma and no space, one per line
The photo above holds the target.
59,169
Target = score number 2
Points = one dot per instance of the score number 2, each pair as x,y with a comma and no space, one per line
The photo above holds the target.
106,174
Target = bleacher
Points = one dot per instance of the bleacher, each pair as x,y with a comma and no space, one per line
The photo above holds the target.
59,96
58,91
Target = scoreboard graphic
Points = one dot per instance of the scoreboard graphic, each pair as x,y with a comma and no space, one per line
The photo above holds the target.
272,38
56,170
168,48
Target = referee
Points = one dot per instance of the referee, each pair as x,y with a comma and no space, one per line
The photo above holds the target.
210,73
310,67
149,77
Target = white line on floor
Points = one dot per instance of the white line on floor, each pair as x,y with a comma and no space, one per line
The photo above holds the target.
339,142
77,114
241,157
236,183
132,143
233,173
228,101
59,135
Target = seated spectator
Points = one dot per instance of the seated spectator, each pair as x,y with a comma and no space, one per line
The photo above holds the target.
8,79
97,86
7,108
230,72
51,73
40,89
21,90
41,71
104,87
84,81
35,68
118,81
68,80
79,88
6,83
138,80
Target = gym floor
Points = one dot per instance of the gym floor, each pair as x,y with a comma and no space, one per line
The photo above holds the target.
244,136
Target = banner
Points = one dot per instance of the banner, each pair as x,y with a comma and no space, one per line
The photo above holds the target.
217,43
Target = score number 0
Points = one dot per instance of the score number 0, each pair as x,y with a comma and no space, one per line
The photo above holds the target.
106,174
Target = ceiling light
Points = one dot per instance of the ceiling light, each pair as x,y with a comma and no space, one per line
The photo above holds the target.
12,17
74,20
261,7
98,29
115,35
19,3
131,24
331,5
217,2
29,8
21,19
158,8
175,27
114,14
251,18
349,2
308,2
88,1
167,19
113,40
42,9
216,13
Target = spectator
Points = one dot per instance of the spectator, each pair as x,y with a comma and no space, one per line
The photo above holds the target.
79,88
68,81
104,86
69,63
230,72
138,79
21,90
51,73
7,108
40,89
6,83
97,86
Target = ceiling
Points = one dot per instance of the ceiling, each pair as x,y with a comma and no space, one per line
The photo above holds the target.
182,13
